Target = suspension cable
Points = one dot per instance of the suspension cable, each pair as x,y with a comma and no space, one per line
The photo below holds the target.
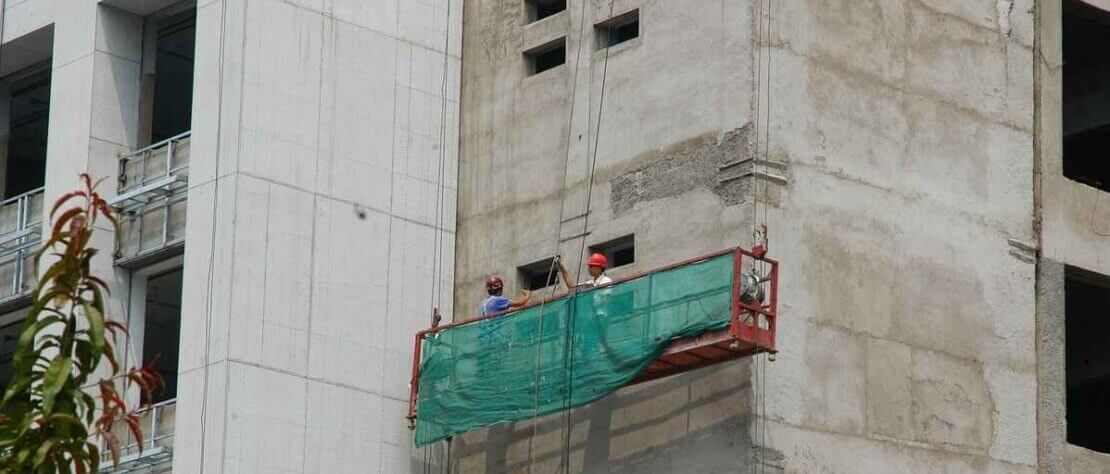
436,297
761,362
568,349
558,232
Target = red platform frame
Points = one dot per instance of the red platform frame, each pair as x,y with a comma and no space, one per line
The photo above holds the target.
743,337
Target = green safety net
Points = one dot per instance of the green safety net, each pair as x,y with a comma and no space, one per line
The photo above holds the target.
520,365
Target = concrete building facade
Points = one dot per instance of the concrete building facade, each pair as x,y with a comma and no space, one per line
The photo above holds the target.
288,173
907,157
285,171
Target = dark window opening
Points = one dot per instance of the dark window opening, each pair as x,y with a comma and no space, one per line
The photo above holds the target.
540,9
172,110
1087,360
618,30
547,56
29,110
538,275
9,336
620,251
162,329
1086,94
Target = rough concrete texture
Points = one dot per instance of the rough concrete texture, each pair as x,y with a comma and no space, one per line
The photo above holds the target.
904,129
689,166
1074,219
697,422
676,107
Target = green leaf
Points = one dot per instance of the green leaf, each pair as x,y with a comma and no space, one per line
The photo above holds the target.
17,418
43,451
53,381
69,420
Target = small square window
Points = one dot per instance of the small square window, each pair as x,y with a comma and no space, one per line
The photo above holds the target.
535,10
548,56
618,29
1087,362
538,275
619,252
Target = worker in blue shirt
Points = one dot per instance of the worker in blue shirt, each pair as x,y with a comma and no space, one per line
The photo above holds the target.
496,302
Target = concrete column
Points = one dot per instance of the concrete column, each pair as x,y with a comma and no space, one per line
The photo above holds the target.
93,117
315,222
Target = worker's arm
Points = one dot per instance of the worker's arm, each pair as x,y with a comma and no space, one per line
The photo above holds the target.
567,279
525,295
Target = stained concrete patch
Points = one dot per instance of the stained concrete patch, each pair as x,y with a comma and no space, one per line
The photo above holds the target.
697,165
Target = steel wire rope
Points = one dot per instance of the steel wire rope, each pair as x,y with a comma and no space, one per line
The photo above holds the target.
212,242
436,297
568,352
558,232
758,56
762,361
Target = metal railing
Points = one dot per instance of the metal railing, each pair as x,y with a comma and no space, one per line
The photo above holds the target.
20,236
152,197
157,423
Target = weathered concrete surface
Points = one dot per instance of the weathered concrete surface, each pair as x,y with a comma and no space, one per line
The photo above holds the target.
904,130
695,85
1073,220
698,422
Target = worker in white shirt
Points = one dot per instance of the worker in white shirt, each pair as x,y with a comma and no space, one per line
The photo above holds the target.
597,263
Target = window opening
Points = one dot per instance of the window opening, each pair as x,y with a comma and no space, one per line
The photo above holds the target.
547,56
172,108
1086,117
1087,362
618,29
620,251
535,275
536,10
28,119
162,329
9,337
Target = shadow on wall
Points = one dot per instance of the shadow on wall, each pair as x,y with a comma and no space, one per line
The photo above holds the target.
696,422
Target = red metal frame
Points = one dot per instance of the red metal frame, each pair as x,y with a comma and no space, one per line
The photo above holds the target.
744,336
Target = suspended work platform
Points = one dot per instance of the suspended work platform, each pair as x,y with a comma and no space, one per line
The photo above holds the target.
575,349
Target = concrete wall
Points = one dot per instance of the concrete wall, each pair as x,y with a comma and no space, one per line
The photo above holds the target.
314,222
679,94
1073,220
93,111
904,129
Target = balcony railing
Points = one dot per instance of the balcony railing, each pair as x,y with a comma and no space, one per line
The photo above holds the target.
20,236
152,199
157,424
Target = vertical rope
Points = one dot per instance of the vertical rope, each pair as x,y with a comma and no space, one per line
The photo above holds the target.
558,231
763,225
436,297
762,152
568,356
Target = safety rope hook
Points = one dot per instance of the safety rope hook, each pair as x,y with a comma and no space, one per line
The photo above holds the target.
761,241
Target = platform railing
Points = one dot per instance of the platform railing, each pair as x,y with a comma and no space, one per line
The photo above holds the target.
157,423
751,329
151,198
20,236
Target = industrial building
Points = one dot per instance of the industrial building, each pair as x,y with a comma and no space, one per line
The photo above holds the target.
305,184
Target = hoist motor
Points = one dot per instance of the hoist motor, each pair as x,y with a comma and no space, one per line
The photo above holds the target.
750,289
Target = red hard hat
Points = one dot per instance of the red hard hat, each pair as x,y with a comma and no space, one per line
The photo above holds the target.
597,260
494,283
